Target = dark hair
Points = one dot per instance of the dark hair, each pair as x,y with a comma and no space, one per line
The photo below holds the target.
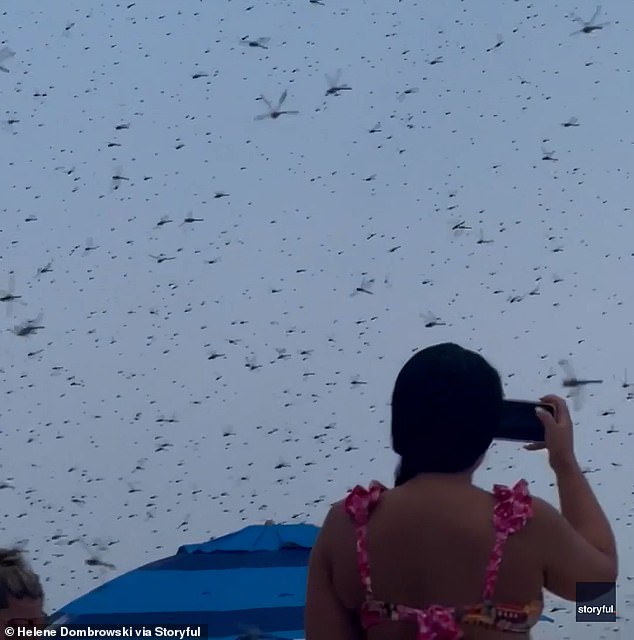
17,579
446,404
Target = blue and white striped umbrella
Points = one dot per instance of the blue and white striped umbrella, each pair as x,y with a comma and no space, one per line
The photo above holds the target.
248,584
251,583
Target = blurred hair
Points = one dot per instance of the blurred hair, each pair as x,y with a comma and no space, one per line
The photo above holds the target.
17,579
446,405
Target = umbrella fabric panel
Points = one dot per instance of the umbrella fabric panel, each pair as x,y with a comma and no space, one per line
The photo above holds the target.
259,538
230,560
197,590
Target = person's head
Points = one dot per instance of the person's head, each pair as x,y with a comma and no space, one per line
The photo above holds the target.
446,404
21,593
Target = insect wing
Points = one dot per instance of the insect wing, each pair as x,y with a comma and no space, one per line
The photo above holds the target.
266,102
567,367
6,53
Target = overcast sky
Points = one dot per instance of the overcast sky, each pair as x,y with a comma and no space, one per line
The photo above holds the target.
451,110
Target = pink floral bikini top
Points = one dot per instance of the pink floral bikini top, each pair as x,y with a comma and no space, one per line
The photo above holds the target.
512,510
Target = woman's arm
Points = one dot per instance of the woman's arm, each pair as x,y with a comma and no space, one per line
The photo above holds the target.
325,617
581,508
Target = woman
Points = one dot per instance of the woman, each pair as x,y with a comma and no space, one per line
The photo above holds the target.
21,594
437,558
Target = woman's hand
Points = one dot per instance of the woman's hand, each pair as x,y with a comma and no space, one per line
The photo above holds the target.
558,434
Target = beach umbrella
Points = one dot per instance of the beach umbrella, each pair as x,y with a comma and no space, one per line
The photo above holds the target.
250,584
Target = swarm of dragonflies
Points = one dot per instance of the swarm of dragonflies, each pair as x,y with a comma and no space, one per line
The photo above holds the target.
5,54
275,112
575,384
590,26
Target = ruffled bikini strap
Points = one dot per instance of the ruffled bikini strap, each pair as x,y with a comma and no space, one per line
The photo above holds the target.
359,504
513,508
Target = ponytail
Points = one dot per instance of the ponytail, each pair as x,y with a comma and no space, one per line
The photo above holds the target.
17,579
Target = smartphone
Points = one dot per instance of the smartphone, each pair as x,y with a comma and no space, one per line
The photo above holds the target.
520,422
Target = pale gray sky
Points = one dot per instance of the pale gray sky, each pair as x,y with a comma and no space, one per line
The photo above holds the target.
127,340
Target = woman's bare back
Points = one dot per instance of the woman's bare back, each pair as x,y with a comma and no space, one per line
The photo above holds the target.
429,542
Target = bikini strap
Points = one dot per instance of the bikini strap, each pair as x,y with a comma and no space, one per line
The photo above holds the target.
513,508
359,504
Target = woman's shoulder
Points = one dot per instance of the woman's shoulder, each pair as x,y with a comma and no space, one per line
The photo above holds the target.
358,498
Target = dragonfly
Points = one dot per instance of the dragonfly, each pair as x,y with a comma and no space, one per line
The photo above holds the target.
333,84
406,92
94,560
9,296
459,227
571,380
281,353
117,178
161,257
255,42
590,26
275,112
549,155
47,268
497,45
364,287
189,220
7,125
251,363
432,320
164,419
356,379
90,246
482,240
164,220
28,327
571,122
5,54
